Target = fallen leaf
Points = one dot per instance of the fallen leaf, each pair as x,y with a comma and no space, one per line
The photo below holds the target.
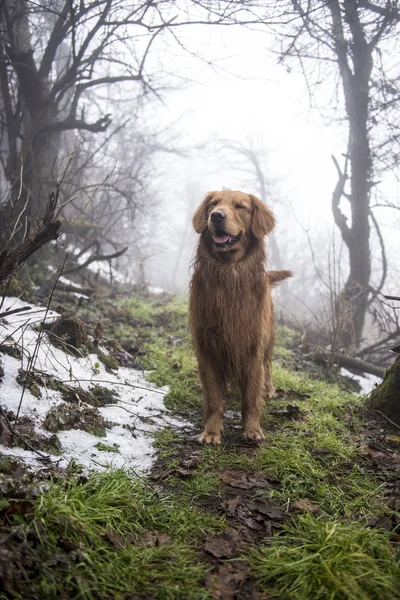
184,473
266,507
370,451
23,508
305,505
67,545
116,539
240,479
224,545
230,505
151,539
258,525
225,583
322,451
387,522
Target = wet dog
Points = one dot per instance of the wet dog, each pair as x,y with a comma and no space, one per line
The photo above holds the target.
231,310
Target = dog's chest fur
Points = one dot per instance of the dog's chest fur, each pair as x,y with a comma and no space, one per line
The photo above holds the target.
228,306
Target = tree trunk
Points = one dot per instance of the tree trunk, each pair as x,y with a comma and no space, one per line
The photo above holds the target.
386,397
29,171
356,85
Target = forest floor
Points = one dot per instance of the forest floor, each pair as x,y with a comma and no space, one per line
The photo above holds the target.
311,513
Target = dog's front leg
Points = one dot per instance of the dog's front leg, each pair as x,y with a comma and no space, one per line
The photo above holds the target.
253,400
213,402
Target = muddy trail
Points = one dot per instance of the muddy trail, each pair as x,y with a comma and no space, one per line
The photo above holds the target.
312,512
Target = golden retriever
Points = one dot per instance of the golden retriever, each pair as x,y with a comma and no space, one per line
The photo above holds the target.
230,307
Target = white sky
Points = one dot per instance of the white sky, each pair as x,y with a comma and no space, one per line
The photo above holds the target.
245,94
265,102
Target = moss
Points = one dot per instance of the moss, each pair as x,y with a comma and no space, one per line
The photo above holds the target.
385,397
110,363
35,390
107,448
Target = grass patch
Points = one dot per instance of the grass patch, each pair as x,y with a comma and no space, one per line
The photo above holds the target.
177,368
323,560
107,520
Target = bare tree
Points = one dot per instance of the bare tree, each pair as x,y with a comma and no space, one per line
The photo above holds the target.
346,37
56,58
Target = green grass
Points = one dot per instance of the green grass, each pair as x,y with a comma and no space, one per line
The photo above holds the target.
177,368
324,560
115,506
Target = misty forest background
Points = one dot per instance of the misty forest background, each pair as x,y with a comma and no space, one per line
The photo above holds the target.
117,117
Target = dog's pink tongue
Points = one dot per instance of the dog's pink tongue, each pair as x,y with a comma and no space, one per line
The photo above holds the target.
221,239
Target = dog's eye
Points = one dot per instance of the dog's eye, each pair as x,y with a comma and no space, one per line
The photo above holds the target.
241,206
213,203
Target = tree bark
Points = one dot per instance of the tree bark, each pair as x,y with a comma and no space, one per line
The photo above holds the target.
356,84
386,397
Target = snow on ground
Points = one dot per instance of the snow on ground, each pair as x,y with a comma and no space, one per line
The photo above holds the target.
366,381
137,413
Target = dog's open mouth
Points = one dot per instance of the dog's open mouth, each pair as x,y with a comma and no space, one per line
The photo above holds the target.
224,239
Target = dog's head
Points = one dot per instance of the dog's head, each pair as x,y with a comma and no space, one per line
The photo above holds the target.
231,221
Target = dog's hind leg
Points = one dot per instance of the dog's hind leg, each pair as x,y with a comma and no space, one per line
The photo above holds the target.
213,389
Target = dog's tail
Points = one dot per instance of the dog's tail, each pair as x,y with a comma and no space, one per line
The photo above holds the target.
274,278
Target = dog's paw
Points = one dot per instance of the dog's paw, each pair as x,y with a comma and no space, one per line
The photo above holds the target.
210,437
254,435
271,393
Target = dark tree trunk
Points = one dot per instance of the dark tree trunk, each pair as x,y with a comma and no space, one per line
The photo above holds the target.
356,84
386,397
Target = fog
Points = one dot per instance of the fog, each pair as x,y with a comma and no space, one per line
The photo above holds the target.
135,113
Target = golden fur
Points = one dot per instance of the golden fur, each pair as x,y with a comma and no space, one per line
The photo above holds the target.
231,311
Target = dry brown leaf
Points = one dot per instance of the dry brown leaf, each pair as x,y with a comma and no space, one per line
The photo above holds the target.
305,505
230,505
225,583
225,545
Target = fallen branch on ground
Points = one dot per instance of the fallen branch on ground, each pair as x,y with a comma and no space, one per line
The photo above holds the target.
95,258
349,362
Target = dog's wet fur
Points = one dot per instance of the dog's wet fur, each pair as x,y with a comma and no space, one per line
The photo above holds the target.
231,310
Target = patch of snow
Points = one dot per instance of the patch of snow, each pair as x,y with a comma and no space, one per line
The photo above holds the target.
366,381
136,414
67,281
155,290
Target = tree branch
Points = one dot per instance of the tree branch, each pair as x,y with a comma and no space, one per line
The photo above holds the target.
95,258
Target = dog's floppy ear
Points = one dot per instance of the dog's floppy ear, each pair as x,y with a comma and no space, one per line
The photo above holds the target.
200,216
263,220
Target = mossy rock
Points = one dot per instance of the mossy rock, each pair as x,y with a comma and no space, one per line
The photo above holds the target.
68,333
69,416
386,397
110,363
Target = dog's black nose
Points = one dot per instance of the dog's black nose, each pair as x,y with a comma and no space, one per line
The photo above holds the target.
217,216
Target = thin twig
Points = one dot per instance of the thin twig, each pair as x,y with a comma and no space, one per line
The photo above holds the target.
19,436
387,418
132,385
